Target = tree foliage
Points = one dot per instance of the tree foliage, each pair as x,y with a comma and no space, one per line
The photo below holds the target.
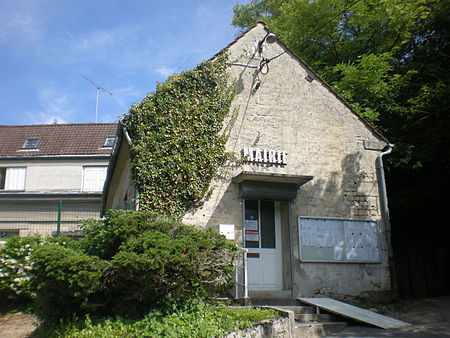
328,32
178,141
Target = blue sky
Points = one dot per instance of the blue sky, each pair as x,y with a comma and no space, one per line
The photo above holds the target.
124,46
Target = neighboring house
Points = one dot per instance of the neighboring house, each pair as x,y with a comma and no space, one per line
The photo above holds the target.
306,202
41,165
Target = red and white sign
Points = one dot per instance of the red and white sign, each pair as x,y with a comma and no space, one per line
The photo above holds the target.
252,235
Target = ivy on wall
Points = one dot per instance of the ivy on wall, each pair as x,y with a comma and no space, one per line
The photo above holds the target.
178,137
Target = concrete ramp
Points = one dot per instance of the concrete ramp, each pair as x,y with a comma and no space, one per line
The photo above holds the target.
355,313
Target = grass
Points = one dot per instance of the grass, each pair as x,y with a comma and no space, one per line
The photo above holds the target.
205,322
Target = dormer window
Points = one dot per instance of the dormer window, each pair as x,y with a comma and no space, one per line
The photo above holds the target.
31,143
109,143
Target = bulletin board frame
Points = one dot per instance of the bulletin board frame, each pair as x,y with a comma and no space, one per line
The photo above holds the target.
338,240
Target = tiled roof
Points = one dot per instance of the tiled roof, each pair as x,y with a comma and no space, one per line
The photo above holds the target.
56,139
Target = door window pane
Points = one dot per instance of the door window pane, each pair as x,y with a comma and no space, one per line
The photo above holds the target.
251,209
251,223
267,224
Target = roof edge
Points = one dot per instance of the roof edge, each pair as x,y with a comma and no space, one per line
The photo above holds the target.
55,157
120,133
56,124
327,86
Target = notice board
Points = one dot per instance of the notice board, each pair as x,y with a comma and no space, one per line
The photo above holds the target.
338,240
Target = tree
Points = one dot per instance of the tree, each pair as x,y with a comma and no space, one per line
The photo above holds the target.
328,32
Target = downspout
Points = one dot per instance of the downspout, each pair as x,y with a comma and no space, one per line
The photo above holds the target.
385,214
127,136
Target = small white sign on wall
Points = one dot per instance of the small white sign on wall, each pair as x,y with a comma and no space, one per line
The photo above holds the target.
227,230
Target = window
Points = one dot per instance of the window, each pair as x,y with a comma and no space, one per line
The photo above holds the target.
12,178
259,224
94,178
109,143
2,178
31,143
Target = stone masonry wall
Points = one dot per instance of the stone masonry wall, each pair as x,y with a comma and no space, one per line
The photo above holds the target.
282,110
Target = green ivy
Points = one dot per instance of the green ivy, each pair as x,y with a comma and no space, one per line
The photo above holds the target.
179,139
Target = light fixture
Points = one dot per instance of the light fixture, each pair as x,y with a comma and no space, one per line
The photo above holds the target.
269,38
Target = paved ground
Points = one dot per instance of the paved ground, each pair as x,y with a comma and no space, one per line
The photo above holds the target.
427,330
17,325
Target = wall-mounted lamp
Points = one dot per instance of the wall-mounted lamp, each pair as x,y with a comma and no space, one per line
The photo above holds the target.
269,38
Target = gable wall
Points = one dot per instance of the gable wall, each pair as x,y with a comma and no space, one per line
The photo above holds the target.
323,138
121,189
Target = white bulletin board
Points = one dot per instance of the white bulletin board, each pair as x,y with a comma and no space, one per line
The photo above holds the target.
338,240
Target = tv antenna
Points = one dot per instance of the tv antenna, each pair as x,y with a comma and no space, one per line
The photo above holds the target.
98,89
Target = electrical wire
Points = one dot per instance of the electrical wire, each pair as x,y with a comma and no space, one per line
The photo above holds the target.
331,19
264,63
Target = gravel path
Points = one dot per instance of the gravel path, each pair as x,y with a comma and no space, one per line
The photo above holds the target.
17,325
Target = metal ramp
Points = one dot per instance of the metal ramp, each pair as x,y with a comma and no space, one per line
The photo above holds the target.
355,313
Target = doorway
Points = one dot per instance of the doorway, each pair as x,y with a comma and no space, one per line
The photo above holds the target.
262,238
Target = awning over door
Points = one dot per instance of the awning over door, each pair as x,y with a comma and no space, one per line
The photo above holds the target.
263,185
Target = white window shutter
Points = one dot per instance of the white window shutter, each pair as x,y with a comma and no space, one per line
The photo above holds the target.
94,178
15,178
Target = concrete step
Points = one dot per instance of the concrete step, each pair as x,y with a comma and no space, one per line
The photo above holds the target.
314,317
300,309
317,329
271,301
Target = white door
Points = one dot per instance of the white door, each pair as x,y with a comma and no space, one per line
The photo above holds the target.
262,238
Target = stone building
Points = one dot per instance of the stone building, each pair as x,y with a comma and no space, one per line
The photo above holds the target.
306,202
43,166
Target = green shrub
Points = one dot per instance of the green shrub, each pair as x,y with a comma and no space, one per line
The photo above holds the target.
178,262
68,282
128,264
201,322
103,238
16,266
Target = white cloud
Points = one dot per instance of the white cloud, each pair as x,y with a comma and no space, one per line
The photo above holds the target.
97,45
165,71
203,11
122,96
19,29
55,105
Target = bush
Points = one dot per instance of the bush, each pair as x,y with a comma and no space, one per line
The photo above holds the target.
175,263
201,322
128,264
104,237
16,267
68,282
